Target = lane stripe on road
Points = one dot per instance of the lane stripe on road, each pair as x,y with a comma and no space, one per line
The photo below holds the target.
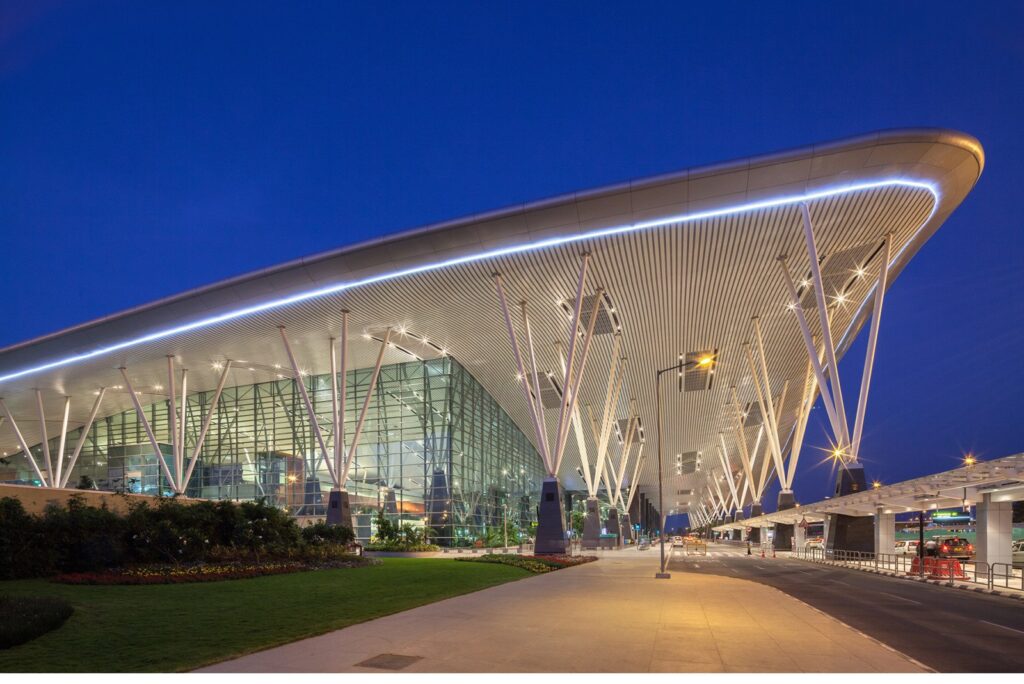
901,598
996,624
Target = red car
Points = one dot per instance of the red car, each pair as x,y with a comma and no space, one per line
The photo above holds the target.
955,547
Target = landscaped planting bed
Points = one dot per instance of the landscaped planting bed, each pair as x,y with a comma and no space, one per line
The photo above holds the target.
534,564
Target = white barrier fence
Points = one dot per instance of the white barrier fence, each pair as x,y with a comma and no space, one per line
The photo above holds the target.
991,576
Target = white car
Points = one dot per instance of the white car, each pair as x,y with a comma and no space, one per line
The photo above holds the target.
1018,553
906,547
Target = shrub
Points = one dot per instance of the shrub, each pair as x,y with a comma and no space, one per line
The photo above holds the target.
23,618
322,533
19,555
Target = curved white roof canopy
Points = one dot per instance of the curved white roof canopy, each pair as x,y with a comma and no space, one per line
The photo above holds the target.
687,258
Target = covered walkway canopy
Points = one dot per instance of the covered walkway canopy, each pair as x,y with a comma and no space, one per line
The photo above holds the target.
1001,479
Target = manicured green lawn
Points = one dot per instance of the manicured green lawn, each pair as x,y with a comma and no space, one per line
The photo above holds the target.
181,627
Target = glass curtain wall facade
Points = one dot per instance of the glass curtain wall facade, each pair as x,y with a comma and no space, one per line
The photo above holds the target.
436,450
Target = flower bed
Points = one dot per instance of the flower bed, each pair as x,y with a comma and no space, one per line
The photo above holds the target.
534,564
202,572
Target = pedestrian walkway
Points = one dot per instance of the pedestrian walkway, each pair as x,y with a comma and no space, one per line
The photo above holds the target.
608,616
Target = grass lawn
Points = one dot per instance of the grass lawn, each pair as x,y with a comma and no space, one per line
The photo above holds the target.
181,627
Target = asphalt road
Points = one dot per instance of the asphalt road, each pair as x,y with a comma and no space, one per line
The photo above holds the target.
949,630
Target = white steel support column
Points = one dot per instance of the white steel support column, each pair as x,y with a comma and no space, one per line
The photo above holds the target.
537,416
538,406
727,469
141,413
314,424
803,413
22,443
369,395
766,401
812,352
172,426
602,434
573,330
626,447
637,464
179,471
826,326
335,421
206,426
60,445
633,483
47,461
84,435
339,435
869,361
569,401
744,457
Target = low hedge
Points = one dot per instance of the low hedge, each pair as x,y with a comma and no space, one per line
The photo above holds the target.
24,618
400,546
78,538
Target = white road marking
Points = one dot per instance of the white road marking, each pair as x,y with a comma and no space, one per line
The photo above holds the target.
885,593
996,624
697,565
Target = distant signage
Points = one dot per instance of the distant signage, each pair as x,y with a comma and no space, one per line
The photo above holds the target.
955,515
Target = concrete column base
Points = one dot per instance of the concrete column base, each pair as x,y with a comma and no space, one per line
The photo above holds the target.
592,525
847,532
613,526
755,532
783,539
627,528
737,516
551,538
339,509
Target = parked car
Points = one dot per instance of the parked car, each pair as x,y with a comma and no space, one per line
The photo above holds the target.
907,547
955,547
1018,553
643,543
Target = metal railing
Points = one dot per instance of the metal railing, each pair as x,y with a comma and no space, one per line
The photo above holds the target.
991,576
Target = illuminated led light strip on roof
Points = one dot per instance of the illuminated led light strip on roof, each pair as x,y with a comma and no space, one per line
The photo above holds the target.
481,256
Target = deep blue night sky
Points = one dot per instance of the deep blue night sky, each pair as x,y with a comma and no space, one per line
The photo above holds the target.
149,148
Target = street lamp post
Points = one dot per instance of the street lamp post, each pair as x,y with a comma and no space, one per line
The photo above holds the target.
679,367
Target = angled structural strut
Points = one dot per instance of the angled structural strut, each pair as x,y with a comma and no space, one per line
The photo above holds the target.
314,423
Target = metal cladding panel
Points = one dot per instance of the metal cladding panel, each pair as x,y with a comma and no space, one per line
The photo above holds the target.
691,284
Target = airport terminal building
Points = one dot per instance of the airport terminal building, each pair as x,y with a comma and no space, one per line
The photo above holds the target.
468,373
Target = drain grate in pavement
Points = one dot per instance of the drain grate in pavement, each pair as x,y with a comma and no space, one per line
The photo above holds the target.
389,661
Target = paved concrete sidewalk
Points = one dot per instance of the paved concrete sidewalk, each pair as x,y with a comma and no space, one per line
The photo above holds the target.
608,616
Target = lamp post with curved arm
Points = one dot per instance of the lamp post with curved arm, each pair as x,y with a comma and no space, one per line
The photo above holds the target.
704,361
